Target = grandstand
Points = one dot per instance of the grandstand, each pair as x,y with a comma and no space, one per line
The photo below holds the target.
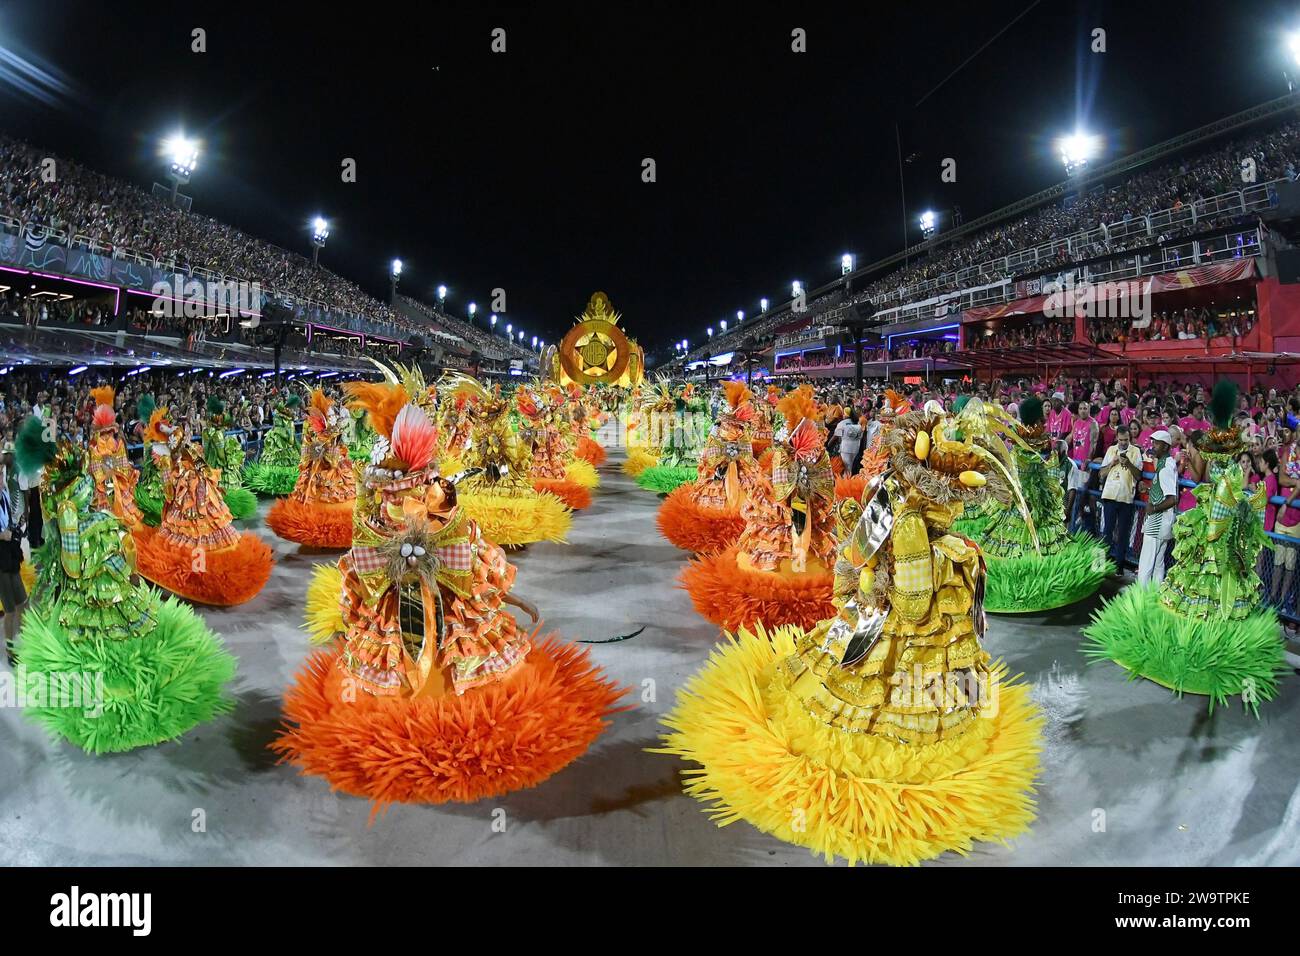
1192,228
82,258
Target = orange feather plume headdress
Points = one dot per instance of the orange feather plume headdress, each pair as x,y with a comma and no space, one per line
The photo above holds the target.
897,402
414,438
798,405
104,416
154,432
381,401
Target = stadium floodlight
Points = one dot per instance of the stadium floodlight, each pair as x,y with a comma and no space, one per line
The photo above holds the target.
710,331
534,341
1076,150
521,335
473,308
320,231
762,305
846,264
686,344
510,330
442,294
394,273
182,155
723,323
796,289
740,316
493,320
928,223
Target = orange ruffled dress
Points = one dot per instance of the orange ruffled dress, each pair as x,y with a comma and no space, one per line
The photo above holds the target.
196,552
780,570
318,512
431,691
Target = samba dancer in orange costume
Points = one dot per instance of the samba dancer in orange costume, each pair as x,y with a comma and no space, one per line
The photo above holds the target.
115,477
780,570
704,516
196,552
548,431
318,512
441,680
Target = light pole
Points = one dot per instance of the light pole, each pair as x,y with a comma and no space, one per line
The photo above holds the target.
320,231
394,273
492,321
442,296
762,305
182,155
473,307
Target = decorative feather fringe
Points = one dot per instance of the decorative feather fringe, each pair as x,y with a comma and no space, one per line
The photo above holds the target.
582,472
323,617
1218,659
271,480
849,487
223,578
761,758
698,530
241,502
154,688
662,479
494,740
514,520
1031,583
590,450
733,597
573,495
638,460
315,524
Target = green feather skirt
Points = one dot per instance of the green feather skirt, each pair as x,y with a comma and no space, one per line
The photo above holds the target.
664,479
110,696
1029,582
1219,658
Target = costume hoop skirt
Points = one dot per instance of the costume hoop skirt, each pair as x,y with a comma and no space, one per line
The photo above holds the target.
136,691
761,757
695,526
732,596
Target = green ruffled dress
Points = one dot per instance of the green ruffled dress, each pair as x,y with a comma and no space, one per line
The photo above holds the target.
226,452
1206,629
105,662
276,471
1065,568
679,458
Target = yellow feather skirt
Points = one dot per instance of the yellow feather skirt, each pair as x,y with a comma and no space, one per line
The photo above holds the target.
764,759
638,460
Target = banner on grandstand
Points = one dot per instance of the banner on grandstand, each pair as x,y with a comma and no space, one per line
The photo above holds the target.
1076,297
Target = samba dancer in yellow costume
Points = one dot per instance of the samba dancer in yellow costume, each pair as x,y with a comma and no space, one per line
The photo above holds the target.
884,734
501,497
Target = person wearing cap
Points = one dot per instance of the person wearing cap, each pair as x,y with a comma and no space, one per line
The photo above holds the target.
1162,500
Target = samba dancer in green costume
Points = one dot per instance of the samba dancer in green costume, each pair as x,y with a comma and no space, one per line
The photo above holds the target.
276,470
1206,629
136,669
1038,566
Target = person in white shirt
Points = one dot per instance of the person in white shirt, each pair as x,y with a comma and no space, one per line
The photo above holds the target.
850,433
1162,500
1120,470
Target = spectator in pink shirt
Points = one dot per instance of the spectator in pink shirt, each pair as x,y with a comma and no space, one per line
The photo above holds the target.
1060,423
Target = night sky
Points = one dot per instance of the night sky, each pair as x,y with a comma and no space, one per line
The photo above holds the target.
523,170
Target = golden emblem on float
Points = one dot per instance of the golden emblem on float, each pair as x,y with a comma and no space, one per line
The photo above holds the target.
595,350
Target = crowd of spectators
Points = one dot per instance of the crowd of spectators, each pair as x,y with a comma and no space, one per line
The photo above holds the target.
1183,185
122,220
